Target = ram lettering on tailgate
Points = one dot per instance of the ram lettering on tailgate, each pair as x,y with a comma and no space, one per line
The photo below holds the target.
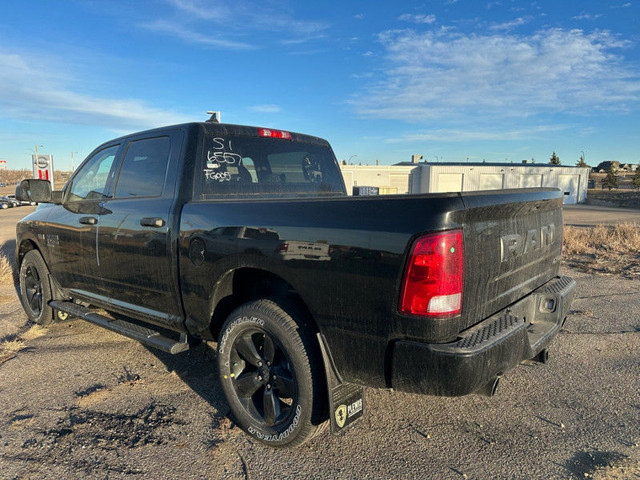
514,245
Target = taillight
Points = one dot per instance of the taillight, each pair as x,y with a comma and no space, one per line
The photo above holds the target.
433,278
267,132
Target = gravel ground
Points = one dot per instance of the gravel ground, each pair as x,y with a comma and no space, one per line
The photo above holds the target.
82,402
77,401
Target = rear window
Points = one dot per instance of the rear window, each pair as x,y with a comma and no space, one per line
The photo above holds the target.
243,166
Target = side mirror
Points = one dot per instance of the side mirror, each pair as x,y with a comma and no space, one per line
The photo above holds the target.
34,190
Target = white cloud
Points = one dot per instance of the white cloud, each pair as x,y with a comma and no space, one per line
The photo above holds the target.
237,18
447,75
419,18
183,32
267,108
508,25
587,16
45,97
361,75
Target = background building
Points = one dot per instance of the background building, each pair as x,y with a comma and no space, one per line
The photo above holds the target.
412,177
391,179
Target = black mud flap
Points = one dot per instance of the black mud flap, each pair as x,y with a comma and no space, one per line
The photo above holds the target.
346,400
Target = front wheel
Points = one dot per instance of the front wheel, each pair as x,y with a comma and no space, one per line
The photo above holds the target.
35,290
272,374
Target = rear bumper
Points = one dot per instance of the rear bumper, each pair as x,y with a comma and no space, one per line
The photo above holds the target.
486,350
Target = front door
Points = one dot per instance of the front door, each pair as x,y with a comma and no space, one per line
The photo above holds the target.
72,236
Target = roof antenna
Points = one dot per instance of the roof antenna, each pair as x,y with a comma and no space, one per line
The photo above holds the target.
215,116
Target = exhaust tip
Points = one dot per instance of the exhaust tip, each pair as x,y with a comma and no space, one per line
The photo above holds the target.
490,389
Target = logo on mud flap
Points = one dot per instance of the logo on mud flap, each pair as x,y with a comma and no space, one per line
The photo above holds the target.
341,415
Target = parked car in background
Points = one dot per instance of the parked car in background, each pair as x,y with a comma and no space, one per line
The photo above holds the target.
17,202
11,202
4,203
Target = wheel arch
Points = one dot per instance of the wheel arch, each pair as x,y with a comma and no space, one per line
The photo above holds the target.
25,246
244,284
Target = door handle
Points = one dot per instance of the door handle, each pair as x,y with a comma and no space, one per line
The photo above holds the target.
88,220
152,222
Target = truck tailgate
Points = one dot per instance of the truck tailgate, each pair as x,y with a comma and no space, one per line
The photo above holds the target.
513,242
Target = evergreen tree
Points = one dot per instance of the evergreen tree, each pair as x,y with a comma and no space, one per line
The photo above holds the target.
635,181
554,160
610,181
581,162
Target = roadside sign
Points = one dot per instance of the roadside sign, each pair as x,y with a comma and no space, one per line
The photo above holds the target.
43,167
3,164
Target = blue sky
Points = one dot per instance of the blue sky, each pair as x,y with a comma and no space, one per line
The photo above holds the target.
448,79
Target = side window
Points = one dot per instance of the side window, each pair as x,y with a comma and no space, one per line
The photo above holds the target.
90,183
144,168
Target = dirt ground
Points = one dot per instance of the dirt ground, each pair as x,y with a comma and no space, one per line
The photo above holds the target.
78,401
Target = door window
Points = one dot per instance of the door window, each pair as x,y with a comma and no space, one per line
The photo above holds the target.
90,183
144,168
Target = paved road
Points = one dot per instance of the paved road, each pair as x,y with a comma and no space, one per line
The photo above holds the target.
588,215
8,220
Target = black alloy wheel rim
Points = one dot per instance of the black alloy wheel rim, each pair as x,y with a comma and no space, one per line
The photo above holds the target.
33,290
263,378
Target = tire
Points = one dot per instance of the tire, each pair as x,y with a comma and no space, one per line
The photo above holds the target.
272,374
35,290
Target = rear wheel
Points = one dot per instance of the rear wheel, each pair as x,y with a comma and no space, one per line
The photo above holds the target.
35,290
271,373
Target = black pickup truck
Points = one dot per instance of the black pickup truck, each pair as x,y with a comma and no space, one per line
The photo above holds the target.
245,236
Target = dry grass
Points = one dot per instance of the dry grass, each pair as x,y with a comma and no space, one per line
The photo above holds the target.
6,272
604,249
12,346
35,331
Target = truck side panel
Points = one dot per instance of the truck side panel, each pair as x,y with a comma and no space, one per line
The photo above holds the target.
349,280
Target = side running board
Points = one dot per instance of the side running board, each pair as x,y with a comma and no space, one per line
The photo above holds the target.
142,334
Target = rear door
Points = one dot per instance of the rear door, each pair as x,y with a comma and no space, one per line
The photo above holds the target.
138,262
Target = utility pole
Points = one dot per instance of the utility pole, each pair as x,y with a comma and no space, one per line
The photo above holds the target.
72,166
